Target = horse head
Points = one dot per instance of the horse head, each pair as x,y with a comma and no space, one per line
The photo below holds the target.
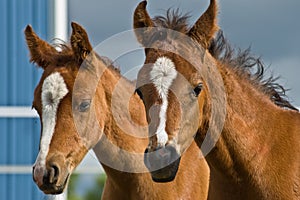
172,89
67,110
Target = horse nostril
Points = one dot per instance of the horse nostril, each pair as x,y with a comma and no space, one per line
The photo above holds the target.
38,174
53,173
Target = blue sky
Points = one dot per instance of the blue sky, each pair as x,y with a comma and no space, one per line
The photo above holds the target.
270,27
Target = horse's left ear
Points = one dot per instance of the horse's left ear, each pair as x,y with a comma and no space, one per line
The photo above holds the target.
80,42
41,52
206,26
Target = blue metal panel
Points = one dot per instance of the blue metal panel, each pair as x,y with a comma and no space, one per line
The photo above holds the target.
23,151
3,52
19,137
23,145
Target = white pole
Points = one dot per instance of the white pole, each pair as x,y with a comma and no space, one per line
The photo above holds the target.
60,31
60,19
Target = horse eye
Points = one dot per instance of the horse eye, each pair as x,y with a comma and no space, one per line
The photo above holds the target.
198,89
139,93
84,106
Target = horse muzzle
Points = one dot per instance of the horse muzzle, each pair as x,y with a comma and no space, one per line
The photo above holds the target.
52,178
162,163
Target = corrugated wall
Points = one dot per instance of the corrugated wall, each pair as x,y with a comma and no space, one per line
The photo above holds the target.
19,136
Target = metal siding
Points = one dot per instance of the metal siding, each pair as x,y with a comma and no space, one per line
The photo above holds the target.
19,137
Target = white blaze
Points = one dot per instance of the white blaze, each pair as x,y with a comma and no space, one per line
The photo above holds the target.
162,75
54,90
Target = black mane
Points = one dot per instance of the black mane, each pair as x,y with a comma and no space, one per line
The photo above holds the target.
173,20
243,62
249,67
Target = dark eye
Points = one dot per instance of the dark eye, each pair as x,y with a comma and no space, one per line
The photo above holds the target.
84,106
198,89
139,93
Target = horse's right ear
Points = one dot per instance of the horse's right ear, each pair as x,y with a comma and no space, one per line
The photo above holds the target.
141,21
206,26
80,42
40,51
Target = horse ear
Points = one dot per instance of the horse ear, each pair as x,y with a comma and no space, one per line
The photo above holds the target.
141,21
206,26
80,42
40,51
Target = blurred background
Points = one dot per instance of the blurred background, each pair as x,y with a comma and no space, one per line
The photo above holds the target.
270,27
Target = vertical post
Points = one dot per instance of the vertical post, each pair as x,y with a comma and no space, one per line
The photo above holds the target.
59,30
60,19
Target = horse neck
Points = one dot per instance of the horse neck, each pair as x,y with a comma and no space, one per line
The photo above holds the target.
120,132
125,117
253,123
